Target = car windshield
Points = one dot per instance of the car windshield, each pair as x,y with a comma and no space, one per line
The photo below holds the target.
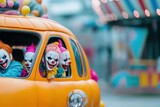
21,47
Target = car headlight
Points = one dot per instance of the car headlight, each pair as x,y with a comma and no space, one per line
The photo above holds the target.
75,100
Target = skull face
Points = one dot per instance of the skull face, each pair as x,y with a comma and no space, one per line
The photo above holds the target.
28,58
5,59
65,60
52,60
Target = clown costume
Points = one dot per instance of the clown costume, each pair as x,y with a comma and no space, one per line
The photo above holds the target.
8,66
64,57
51,61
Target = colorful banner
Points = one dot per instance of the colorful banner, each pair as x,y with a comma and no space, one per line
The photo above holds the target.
145,8
137,38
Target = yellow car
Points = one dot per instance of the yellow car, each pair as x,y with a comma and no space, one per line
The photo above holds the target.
74,89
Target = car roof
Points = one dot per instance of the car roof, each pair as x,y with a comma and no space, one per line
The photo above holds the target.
32,23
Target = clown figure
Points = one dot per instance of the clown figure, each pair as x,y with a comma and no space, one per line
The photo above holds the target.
28,58
51,60
64,57
8,66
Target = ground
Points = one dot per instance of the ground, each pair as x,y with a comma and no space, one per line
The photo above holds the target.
112,99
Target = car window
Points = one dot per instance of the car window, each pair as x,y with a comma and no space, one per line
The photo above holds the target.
77,57
17,53
56,61
83,60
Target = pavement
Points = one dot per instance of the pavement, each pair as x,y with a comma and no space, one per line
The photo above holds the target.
113,99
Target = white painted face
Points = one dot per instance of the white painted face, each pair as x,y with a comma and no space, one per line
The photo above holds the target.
52,60
5,59
65,60
28,58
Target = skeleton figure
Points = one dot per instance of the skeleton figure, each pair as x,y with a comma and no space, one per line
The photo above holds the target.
64,56
51,60
8,66
28,58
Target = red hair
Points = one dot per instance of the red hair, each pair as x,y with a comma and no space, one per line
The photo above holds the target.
5,47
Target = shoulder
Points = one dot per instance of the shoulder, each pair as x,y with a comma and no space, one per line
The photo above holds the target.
15,62
60,70
24,73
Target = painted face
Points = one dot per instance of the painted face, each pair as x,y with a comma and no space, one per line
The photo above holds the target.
28,58
52,60
65,60
5,59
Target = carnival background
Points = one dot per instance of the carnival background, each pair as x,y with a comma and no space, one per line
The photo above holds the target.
120,37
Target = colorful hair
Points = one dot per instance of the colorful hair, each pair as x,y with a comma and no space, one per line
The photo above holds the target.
5,47
62,49
31,48
53,47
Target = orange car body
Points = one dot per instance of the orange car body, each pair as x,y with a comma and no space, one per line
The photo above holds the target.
36,91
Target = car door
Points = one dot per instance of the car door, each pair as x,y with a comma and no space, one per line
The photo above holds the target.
17,91
65,91
84,72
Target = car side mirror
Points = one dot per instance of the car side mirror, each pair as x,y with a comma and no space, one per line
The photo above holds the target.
94,75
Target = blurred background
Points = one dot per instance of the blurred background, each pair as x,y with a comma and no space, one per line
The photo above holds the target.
122,41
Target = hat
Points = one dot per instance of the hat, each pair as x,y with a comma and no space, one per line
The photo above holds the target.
5,47
31,48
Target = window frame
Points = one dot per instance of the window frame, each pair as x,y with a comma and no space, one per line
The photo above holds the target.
36,52
83,59
80,59
65,46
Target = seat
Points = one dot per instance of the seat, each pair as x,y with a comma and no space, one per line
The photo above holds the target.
18,55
